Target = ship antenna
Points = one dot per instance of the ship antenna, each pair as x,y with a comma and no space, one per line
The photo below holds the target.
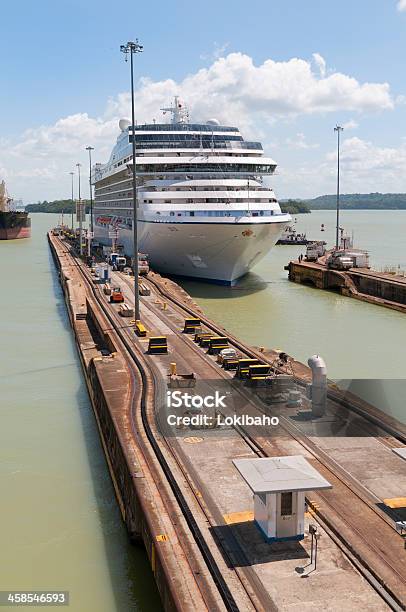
178,110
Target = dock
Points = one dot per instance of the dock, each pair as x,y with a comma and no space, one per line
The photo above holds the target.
178,490
379,288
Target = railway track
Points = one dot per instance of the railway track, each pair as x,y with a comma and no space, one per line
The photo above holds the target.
332,471
152,382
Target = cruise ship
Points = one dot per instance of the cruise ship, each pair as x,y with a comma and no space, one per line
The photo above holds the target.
203,209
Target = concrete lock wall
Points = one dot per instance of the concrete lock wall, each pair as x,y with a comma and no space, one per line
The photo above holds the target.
394,292
307,275
129,501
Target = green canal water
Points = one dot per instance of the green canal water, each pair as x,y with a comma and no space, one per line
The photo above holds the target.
60,527
356,339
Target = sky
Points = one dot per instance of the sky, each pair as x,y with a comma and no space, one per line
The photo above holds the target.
284,71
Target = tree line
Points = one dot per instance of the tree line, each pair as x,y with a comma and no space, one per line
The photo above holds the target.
57,206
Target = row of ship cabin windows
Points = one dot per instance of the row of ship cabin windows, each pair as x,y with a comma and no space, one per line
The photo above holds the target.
180,154
181,138
220,153
108,203
196,168
222,213
219,213
181,127
197,145
107,190
213,201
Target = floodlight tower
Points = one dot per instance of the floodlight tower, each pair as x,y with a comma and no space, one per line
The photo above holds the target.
338,129
130,49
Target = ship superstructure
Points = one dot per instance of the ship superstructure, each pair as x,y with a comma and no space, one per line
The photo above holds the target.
203,208
13,224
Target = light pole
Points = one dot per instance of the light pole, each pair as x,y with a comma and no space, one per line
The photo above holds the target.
338,129
90,149
80,212
132,48
72,174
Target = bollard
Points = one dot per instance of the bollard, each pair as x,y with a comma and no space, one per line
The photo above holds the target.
318,388
164,305
261,349
173,369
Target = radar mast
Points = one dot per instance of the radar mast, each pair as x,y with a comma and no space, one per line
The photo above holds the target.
179,111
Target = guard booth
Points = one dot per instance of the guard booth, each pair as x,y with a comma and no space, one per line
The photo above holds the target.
279,485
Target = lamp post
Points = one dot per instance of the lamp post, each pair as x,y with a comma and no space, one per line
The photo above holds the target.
80,212
89,252
72,174
131,48
338,129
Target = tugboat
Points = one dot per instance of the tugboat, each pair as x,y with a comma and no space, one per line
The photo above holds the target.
290,236
13,224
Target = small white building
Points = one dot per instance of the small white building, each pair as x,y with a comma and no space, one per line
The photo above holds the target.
279,485
103,271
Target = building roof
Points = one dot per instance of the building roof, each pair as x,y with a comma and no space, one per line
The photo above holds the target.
278,474
400,451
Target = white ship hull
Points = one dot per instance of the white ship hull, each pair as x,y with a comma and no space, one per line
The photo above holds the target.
216,252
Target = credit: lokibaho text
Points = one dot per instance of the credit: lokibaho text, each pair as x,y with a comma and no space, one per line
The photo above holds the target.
194,416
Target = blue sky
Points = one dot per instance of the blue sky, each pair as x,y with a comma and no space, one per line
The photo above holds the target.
286,72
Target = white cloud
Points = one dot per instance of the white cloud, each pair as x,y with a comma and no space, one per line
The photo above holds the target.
361,159
365,168
233,89
350,125
217,52
38,163
65,137
401,5
320,63
237,90
299,142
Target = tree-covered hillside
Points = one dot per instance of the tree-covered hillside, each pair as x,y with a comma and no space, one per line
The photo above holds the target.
372,201
57,206
294,207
